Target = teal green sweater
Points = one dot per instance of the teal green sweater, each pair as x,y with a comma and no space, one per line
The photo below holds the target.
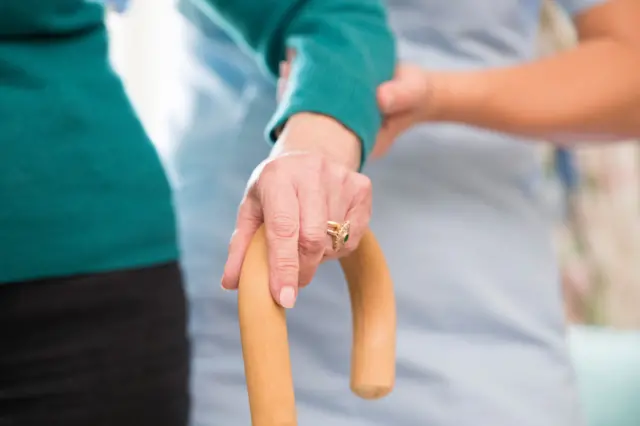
81,187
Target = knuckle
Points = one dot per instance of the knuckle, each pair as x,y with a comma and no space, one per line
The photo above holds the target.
315,163
362,195
269,170
288,167
309,167
286,266
312,184
284,226
312,167
341,174
312,239
363,184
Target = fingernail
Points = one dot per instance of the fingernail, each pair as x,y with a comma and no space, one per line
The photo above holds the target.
287,297
222,284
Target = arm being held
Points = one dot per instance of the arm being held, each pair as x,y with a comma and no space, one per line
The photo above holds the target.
589,92
344,50
329,119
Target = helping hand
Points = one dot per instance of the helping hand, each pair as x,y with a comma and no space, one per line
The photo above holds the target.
404,102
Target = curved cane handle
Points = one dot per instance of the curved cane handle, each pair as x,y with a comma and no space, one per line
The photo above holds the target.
263,330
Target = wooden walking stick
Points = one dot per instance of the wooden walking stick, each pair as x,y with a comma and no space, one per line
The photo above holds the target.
265,346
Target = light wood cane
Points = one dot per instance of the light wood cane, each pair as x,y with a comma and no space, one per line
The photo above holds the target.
263,329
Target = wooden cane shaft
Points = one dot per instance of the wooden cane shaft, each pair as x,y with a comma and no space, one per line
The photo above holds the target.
265,345
373,309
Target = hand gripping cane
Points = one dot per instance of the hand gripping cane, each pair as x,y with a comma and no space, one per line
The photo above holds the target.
263,330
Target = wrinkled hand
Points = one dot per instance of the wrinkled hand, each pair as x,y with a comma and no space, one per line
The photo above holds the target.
295,193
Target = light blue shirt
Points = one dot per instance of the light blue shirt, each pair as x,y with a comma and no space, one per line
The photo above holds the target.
460,213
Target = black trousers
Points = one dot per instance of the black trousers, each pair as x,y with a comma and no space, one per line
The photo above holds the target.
97,350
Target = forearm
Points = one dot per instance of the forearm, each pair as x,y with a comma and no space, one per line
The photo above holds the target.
344,50
591,91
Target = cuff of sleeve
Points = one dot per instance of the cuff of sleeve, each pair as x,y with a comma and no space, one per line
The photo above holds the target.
349,101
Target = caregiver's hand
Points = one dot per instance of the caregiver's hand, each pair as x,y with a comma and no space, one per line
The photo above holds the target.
405,101
309,179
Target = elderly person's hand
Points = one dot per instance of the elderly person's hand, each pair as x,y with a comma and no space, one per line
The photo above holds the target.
309,179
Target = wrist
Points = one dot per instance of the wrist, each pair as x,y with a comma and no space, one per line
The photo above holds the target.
454,97
321,134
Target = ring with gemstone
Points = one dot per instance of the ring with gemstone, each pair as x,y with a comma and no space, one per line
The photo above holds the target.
339,233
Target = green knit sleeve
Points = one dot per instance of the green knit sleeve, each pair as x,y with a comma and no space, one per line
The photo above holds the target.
344,50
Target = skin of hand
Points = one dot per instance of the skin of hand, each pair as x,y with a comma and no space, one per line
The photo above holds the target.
310,178
405,101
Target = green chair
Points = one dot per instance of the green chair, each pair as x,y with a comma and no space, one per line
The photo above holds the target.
607,364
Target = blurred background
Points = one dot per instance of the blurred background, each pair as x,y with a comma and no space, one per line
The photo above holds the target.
138,38
597,190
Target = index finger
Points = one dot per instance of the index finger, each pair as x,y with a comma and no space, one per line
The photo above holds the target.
282,225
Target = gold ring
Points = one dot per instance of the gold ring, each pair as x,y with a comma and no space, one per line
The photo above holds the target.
339,233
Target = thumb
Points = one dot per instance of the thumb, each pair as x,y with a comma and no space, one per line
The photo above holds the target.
396,96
